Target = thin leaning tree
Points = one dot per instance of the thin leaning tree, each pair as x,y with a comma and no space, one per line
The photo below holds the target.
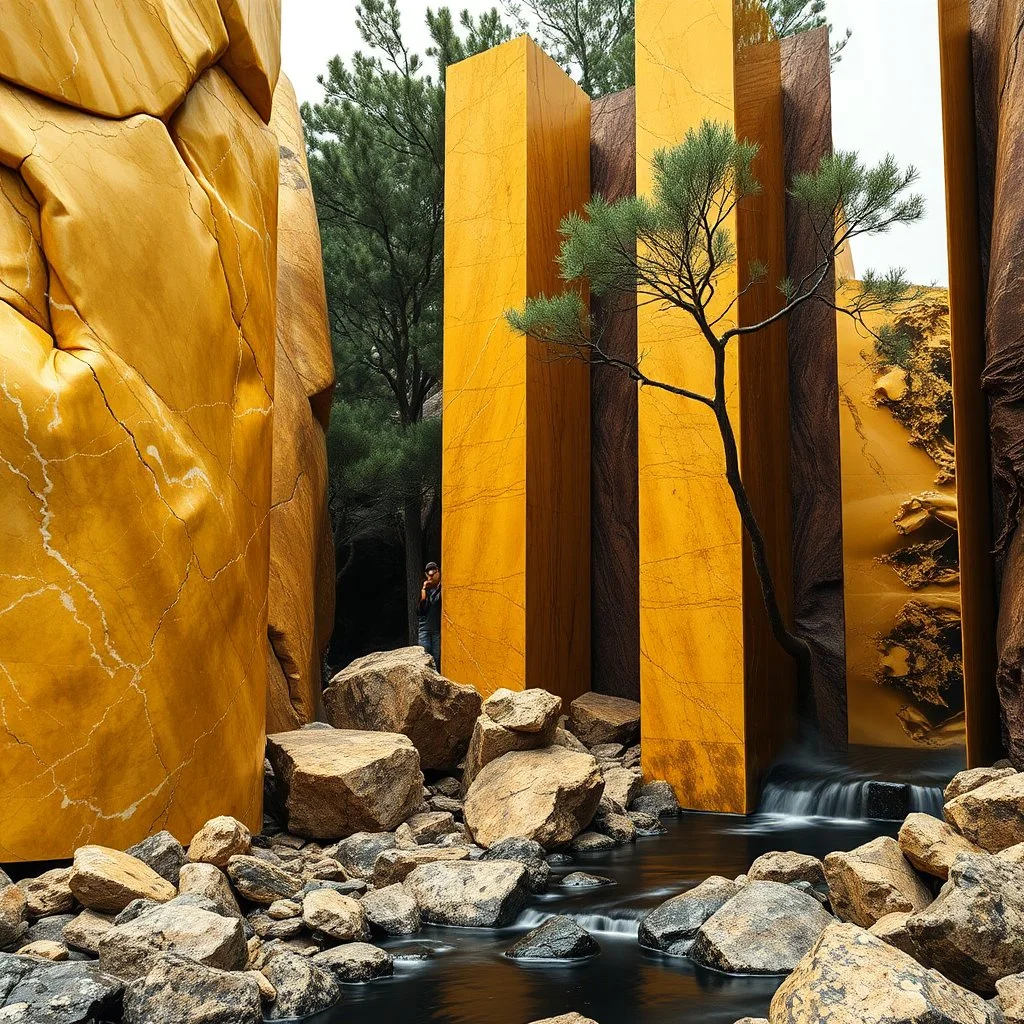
671,251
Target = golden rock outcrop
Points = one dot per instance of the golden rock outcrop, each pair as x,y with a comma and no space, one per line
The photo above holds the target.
138,267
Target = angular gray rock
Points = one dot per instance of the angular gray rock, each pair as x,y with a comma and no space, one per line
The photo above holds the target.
400,692
51,993
974,931
527,852
128,950
358,853
991,816
391,911
176,990
766,928
333,783
600,718
852,977
163,853
303,987
558,938
355,962
584,880
547,795
672,927
657,798
470,894
873,880
262,882
48,929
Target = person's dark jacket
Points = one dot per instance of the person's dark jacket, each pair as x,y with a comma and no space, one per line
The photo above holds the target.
430,610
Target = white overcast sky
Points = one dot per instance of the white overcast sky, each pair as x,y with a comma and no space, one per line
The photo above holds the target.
885,98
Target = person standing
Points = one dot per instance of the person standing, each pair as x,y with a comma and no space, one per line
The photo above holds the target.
430,612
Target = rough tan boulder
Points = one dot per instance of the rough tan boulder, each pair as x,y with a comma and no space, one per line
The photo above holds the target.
874,880
1010,991
400,692
964,782
787,866
429,826
259,881
766,928
391,910
469,894
209,881
108,880
1014,854
128,950
48,894
548,795
622,785
599,718
13,916
335,782
490,741
219,840
852,977
396,865
974,931
991,816
85,931
337,916
532,710
931,845
893,929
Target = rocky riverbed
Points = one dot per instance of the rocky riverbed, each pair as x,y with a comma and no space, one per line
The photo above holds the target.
363,845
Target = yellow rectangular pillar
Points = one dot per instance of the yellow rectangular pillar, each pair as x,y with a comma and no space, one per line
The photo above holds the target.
516,426
717,694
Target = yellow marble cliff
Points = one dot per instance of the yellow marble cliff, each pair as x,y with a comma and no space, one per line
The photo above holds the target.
516,470
138,265
716,693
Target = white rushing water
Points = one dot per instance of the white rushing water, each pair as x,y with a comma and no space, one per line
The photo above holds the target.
627,924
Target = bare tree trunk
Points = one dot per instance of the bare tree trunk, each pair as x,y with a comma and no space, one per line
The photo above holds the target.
413,529
796,647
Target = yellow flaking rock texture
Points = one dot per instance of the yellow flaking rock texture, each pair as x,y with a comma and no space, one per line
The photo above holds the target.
138,340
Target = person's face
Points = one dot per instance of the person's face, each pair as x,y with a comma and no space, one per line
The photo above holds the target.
433,577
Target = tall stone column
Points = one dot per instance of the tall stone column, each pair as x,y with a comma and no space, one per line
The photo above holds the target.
516,425
717,694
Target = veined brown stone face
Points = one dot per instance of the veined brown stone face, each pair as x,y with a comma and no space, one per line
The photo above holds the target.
138,270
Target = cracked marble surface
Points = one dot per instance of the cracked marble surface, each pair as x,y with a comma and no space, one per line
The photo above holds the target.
138,272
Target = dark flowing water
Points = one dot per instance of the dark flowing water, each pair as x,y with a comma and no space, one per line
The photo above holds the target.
467,980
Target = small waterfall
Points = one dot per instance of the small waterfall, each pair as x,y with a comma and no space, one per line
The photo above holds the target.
871,783
626,925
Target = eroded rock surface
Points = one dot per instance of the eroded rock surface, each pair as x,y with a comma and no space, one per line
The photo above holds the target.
672,927
600,718
481,894
992,815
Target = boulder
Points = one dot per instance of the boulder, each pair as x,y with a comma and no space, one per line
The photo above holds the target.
564,738
396,865
617,826
219,840
339,917
964,782
209,881
85,931
608,751
584,880
787,867
429,826
1014,854
874,880
526,852
336,782
566,1018
57,993
600,718
766,928
400,692
592,842
852,977
558,938
1010,992
284,910
302,987
163,853
469,894
646,824
262,882
672,927
931,845
489,741
974,931
991,816
358,853
176,990
45,949
622,785
13,916
108,880
128,950
356,961
532,710
657,798
48,894
548,795
49,929
391,911
893,929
